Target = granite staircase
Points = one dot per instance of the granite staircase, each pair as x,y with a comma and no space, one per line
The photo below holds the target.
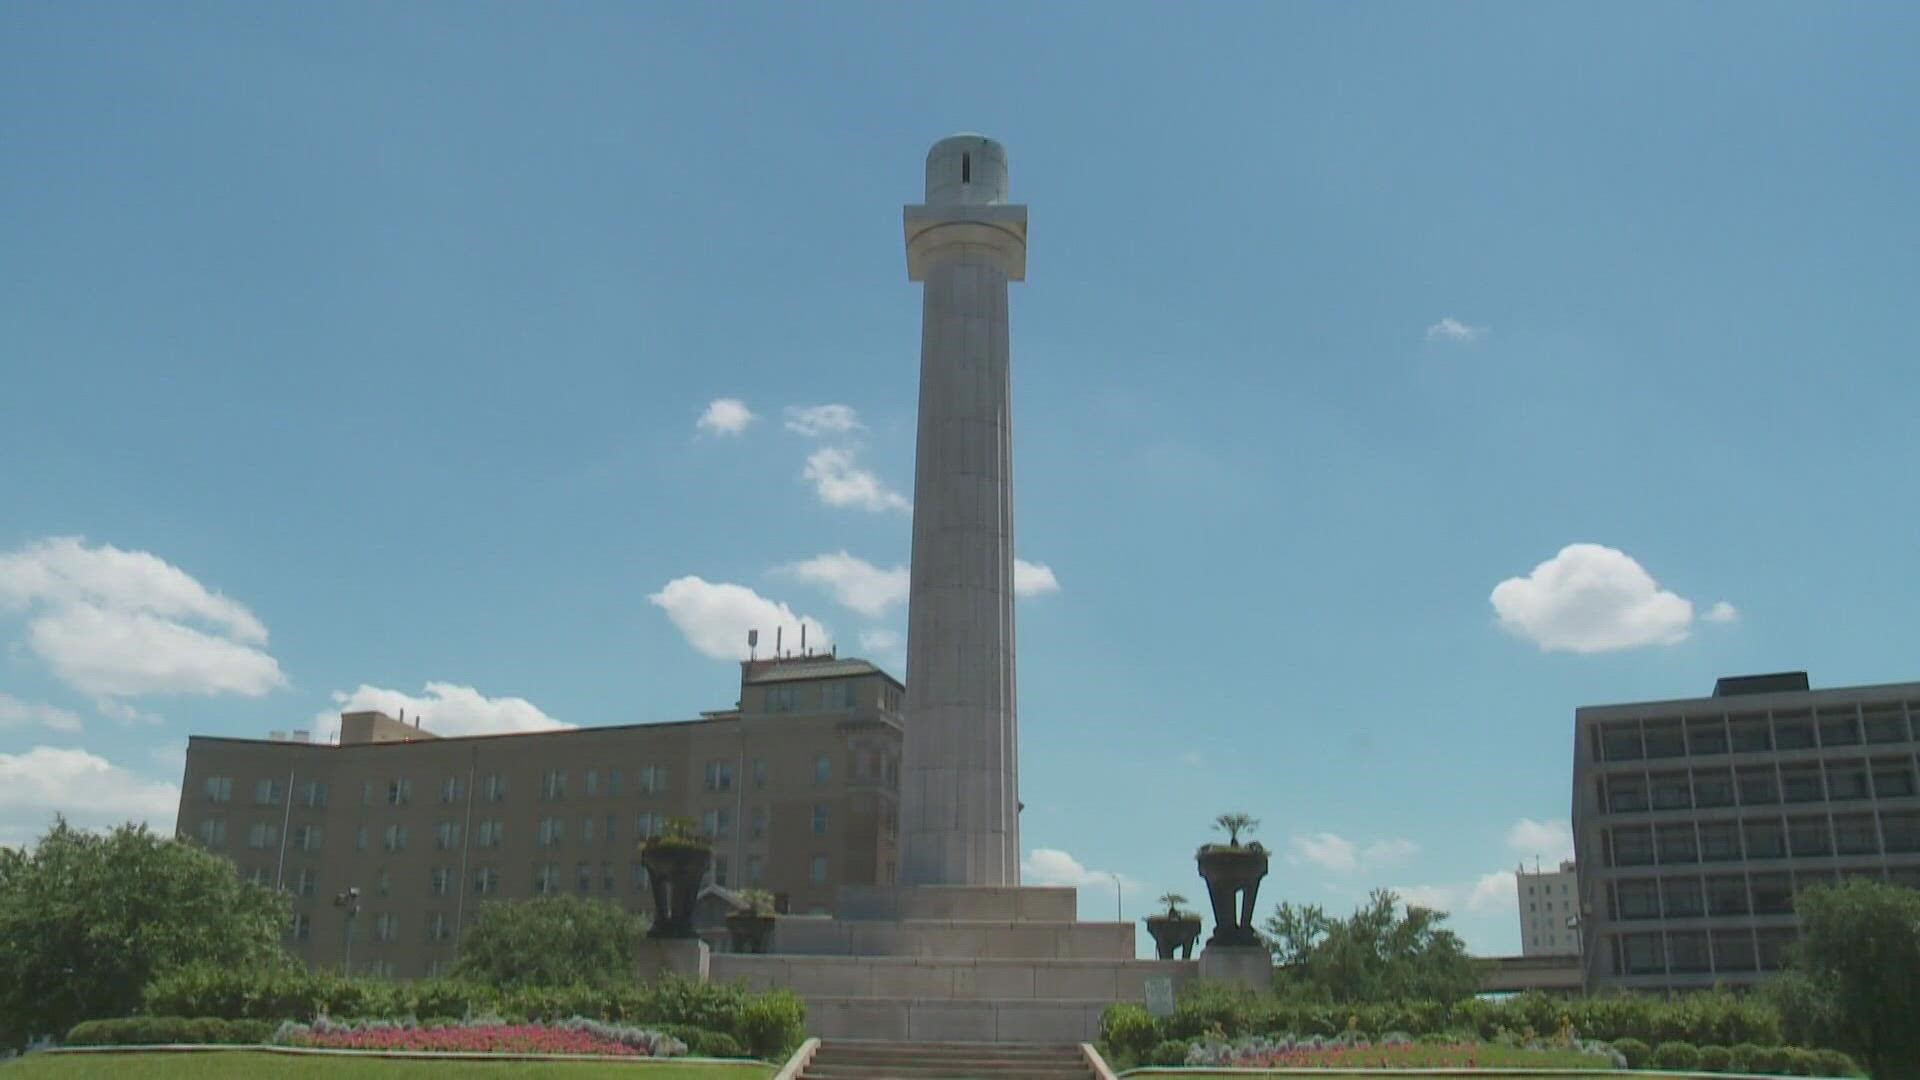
859,1059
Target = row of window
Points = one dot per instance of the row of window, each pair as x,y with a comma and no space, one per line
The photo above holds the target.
384,928
1633,740
1723,895
823,695
1759,785
1891,832
1702,951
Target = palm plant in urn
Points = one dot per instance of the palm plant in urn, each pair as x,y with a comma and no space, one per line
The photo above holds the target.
751,927
676,859
1175,929
1232,873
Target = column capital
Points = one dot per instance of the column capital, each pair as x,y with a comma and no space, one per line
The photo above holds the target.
996,232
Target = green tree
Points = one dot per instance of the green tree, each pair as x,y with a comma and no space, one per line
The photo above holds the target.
1379,953
87,919
550,941
1854,978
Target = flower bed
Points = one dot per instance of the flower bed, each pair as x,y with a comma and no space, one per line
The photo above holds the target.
1259,1051
483,1036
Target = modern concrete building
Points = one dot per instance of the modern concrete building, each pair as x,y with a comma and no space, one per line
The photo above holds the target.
1548,902
796,784
1696,821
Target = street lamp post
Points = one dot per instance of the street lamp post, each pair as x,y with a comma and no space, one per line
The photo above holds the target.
1118,916
350,902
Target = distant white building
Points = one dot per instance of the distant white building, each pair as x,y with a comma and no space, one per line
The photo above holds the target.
1548,901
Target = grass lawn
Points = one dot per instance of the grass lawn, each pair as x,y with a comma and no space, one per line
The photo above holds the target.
237,1064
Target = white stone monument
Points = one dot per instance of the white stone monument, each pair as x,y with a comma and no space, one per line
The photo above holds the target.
959,786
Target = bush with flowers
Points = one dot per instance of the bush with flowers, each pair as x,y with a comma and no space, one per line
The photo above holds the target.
482,1035
1394,1050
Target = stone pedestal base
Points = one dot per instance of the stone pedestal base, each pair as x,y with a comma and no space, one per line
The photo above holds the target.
1250,966
689,958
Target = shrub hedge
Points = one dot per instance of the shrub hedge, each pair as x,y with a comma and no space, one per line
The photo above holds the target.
169,1030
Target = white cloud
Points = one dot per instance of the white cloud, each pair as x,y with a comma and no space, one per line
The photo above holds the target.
1493,892
1722,612
840,481
1033,579
1488,894
114,623
725,416
446,709
1591,598
854,582
1051,866
88,789
17,713
879,640
714,617
813,421
1433,897
1342,856
1551,841
1453,330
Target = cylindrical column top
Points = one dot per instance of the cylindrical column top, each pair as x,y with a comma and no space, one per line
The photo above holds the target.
966,170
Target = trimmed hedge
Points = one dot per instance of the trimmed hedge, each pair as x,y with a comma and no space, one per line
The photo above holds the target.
169,1030
1684,1057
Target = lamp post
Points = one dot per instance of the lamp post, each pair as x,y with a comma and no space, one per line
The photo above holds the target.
348,901
1117,915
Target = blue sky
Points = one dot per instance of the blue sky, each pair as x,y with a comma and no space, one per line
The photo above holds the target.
347,352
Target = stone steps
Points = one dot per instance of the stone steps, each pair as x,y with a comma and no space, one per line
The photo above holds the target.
921,1020
858,1059
947,978
1012,939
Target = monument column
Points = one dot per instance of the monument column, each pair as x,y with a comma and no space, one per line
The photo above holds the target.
959,785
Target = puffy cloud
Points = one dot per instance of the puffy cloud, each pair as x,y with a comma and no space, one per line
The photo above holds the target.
814,421
725,416
1454,331
1549,840
1033,579
1487,894
854,582
1492,892
879,640
114,623
1590,598
1722,612
88,789
714,617
1051,866
16,713
1330,851
446,709
839,480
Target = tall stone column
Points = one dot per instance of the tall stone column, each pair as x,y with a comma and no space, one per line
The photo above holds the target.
959,785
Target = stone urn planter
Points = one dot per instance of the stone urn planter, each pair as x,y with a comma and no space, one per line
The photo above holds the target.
750,929
1174,930
676,863
1232,873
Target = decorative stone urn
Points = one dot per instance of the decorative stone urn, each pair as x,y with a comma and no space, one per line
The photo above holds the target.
1174,931
750,931
676,862
1232,874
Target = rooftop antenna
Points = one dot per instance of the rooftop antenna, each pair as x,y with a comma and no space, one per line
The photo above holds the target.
803,640
777,632
753,639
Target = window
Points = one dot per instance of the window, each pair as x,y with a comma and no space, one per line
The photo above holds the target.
399,792
1854,834
262,835
651,779
213,833
553,831
1664,739
817,870
1626,794
554,785
1733,950
383,882
1687,952
1800,783
607,834
583,877
822,769
439,927
1758,787
1885,724
1765,838
1794,732
1632,847
394,838
386,926
784,698
645,825
494,787
1901,831
1727,895
819,819
306,837
1846,780
440,881
1620,742
586,830
1706,737
1749,734
756,870
718,824
313,795
486,881
359,838
446,835
491,833
300,927
639,876
1772,944
1772,894
1892,778
720,870
454,789
593,782
1809,836
1713,787
259,876
606,876
266,792
546,879
1641,954
1638,899
759,774
366,793
1684,898
613,782
1839,729
966,168
1672,791
1676,843
219,789
757,824
839,694
719,776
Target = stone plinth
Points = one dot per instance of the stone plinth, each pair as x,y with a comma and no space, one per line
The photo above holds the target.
1250,966
689,958
993,903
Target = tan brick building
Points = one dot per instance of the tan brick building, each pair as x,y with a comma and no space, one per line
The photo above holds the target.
796,784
